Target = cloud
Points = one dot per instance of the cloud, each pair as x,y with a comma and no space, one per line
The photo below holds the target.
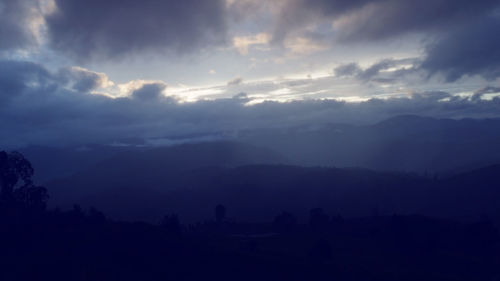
41,108
361,20
16,78
113,29
243,43
392,68
296,15
462,32
235,81
241,96
487,90
241,10
303,45
349,69
470,50
84,80
467,50
148,92
16,24
376,20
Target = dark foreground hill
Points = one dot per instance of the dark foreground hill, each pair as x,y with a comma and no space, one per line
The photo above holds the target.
268,244
77,245
256,192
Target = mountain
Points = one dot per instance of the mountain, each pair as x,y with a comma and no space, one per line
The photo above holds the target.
269,171
257,192
403,143
476,191
160,169
52,163
59,162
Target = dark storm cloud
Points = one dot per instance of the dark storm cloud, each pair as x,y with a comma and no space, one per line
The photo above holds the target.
464,33
471,50
380,19
16,78
384,19
15,17
42,109
467,50
114,28
297,13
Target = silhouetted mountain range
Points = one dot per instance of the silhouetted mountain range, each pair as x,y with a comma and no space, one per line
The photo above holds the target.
57,162
259,191
291,169
350,223
403,143
60,162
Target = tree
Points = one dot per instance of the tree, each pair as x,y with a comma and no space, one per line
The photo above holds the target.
16,184
220,213
284,222
96,216
171,223
321,251
34,197
318,220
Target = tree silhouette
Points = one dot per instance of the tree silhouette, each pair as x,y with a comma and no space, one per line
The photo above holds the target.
318,220
284,222
32,196
171,223
321,251
220,213
16,184
96,215
13,167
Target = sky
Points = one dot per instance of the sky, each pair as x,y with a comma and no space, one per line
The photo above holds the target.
104,71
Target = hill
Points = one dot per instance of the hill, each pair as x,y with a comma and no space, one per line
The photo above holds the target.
256,192
403,143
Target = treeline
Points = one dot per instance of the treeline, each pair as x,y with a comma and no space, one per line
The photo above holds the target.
38,243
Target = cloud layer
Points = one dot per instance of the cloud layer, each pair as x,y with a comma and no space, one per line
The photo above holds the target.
45,101
460,35
43,108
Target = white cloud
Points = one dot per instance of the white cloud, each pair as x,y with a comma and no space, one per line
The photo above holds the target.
243,43
304,45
